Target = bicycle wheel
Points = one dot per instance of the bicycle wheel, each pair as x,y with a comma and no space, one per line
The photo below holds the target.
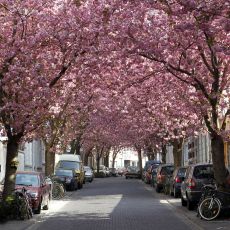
23,209
58,191
209,208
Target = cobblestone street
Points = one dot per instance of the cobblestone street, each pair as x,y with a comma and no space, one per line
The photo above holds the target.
113,203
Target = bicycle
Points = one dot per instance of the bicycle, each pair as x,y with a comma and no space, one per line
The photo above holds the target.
212,203
57,187
22,205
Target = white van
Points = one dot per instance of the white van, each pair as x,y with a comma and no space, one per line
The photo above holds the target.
69,157
71,161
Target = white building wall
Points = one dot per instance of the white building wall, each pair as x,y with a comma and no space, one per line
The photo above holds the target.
185,153
126,154
169,154
2,159
21,159
31,157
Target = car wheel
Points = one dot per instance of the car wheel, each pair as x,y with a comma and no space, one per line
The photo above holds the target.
46,207
79,185
170,191
38,211
165,190
190,205
158,190
84,182
76,186
126,177
175,193
183,202
72,187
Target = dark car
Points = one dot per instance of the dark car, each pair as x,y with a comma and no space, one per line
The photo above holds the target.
176,180
163,172
37,188
147,170
196,176
73,164
68,177
132,172
154,174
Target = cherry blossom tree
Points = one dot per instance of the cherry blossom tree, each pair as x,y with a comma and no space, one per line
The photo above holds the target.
187,41
43,44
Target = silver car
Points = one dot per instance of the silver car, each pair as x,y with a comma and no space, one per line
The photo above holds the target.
88,174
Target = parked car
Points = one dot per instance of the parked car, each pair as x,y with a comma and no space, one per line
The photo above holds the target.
196,176
102,170
88,174
68,177
133,172
176,180
71,161
113,172
163,172
37,188
147,175
147,170
107,172
154,175
121,171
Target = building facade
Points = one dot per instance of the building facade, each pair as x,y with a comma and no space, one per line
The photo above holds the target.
31,157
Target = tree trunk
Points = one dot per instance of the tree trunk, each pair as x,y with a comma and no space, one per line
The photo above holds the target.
113,162
150,152
163,154
217,145
49,162
86,156
98,164
139,159
177,152
106,160
11,165
97,159
86,159
75,146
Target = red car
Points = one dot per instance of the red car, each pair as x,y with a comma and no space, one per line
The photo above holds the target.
38,189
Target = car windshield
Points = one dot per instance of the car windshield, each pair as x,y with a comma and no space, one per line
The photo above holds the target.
132,169
181,172
27,180
203,172
168,170
102,167
69,165
87,169
64,173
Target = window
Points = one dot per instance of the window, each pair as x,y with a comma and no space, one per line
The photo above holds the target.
64,173
181,172
203,171
27,180
69,165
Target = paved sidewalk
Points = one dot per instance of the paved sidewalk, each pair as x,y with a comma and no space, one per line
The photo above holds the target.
222,223
172,203
17,224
